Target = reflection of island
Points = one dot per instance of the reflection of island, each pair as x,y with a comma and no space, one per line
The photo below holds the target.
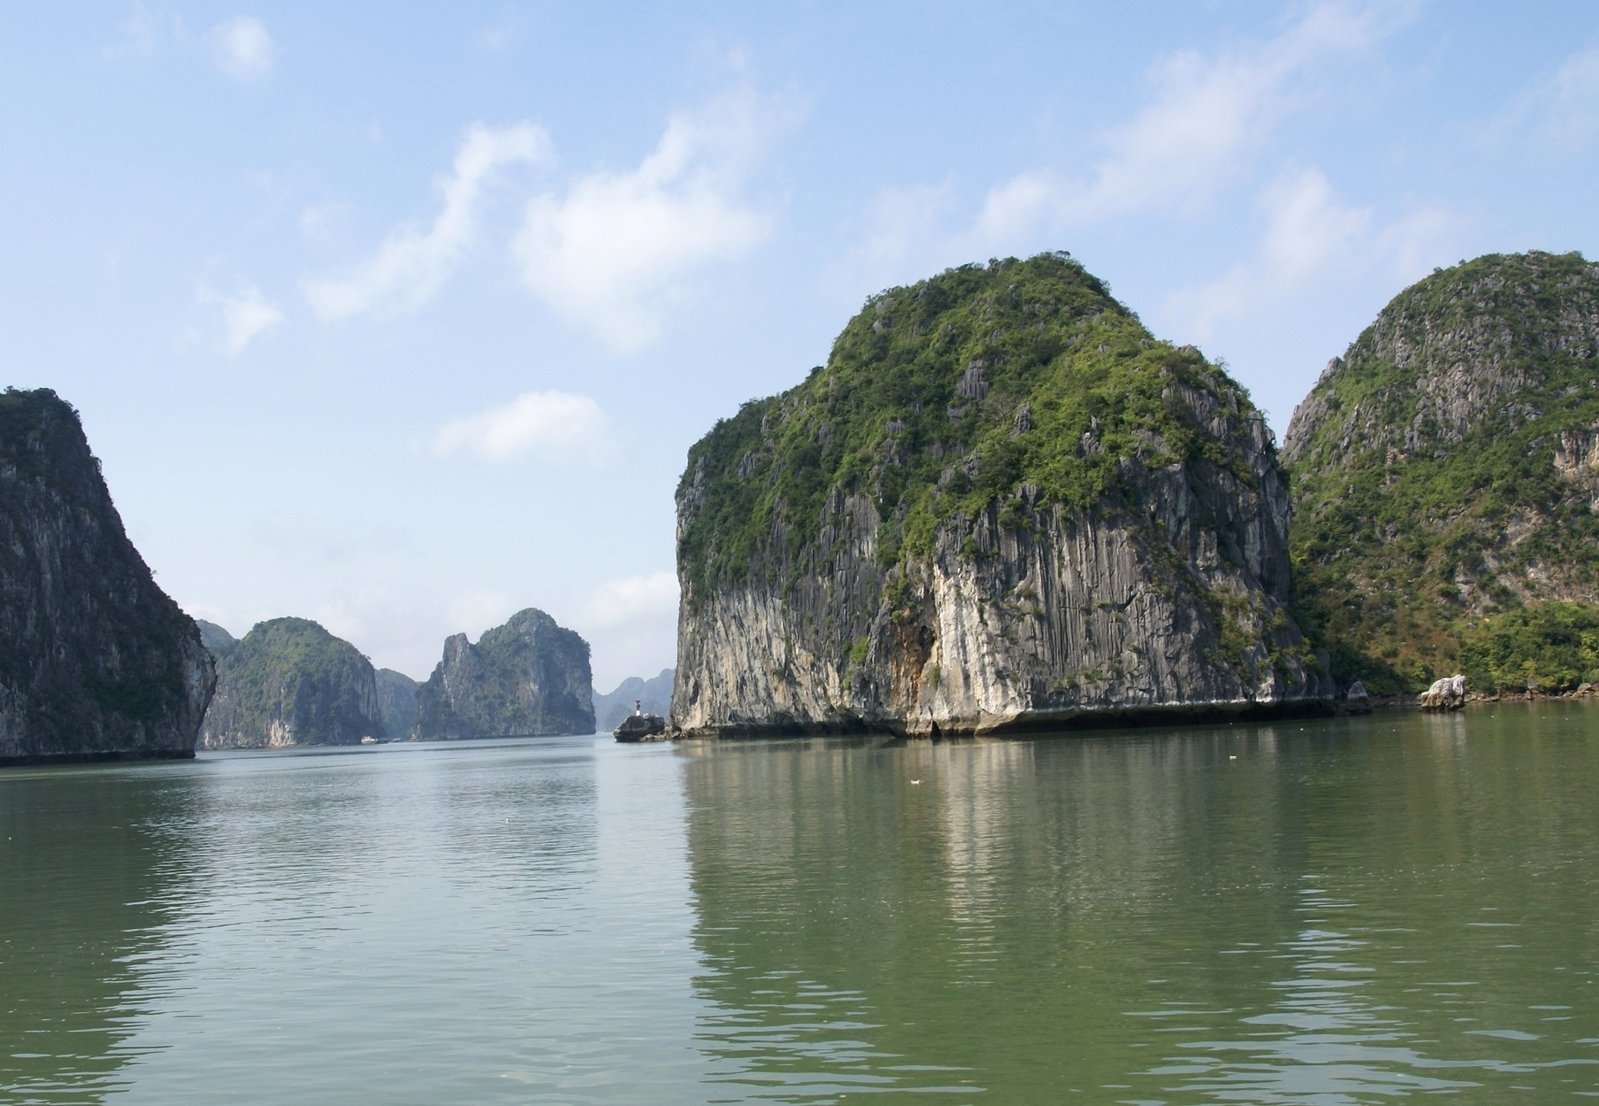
88,879
937,915
1210,913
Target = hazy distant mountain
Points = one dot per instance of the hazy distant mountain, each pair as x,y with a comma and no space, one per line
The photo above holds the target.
655,694
217,640
396,701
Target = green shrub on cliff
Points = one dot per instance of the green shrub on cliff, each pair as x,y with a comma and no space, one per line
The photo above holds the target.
1441,475
1548,647
940,399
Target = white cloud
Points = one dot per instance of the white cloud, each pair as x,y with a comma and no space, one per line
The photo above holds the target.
241,48
628,599
554,424
411,265
139,33
615,252
1309,237
631,623
1200,130
245,315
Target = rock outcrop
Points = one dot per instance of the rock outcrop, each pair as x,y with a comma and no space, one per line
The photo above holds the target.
290,682
654,695
1446,693
1446,473
1001,505
96,661
527,677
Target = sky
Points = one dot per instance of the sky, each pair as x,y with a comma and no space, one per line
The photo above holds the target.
403,317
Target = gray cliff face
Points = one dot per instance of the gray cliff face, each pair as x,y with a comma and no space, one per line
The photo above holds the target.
1165,595
527,677
289,682
95,660
1070,614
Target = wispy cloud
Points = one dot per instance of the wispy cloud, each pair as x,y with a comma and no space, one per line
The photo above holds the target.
1201,129
412,263
549,424
1561,109
246,314
630,598
1309,236
616,251
241,48
631,622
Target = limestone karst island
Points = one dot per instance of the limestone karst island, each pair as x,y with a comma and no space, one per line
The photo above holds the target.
1001,505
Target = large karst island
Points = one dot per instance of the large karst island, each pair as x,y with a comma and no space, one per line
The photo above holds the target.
1446,483
96,661
1002,504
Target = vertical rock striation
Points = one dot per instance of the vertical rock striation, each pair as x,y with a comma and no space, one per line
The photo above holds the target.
530,676
95,660
1000,505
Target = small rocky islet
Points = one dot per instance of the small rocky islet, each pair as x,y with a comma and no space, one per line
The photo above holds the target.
1002,504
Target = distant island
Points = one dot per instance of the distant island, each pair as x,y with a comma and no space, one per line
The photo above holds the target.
530,676
290,682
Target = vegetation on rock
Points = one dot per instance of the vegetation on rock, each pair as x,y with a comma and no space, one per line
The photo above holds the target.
1001,502
939,400
1446,474
290,682
530,676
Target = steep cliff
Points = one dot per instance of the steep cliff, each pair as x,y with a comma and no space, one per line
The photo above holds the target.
1446,478
95,660
290,682
1001,504
529,676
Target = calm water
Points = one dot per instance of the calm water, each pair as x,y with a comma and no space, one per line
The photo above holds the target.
1360,911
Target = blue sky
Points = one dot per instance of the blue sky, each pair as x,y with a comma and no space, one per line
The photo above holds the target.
403,317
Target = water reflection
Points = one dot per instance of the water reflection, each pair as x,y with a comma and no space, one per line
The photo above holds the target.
1339,912
86,897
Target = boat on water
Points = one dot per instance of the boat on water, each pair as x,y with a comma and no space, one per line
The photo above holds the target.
638,725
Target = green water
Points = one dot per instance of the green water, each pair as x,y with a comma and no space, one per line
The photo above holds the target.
1340,912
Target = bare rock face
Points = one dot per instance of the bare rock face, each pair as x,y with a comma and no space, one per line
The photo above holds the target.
290,682
95,660
1001,505
530,676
